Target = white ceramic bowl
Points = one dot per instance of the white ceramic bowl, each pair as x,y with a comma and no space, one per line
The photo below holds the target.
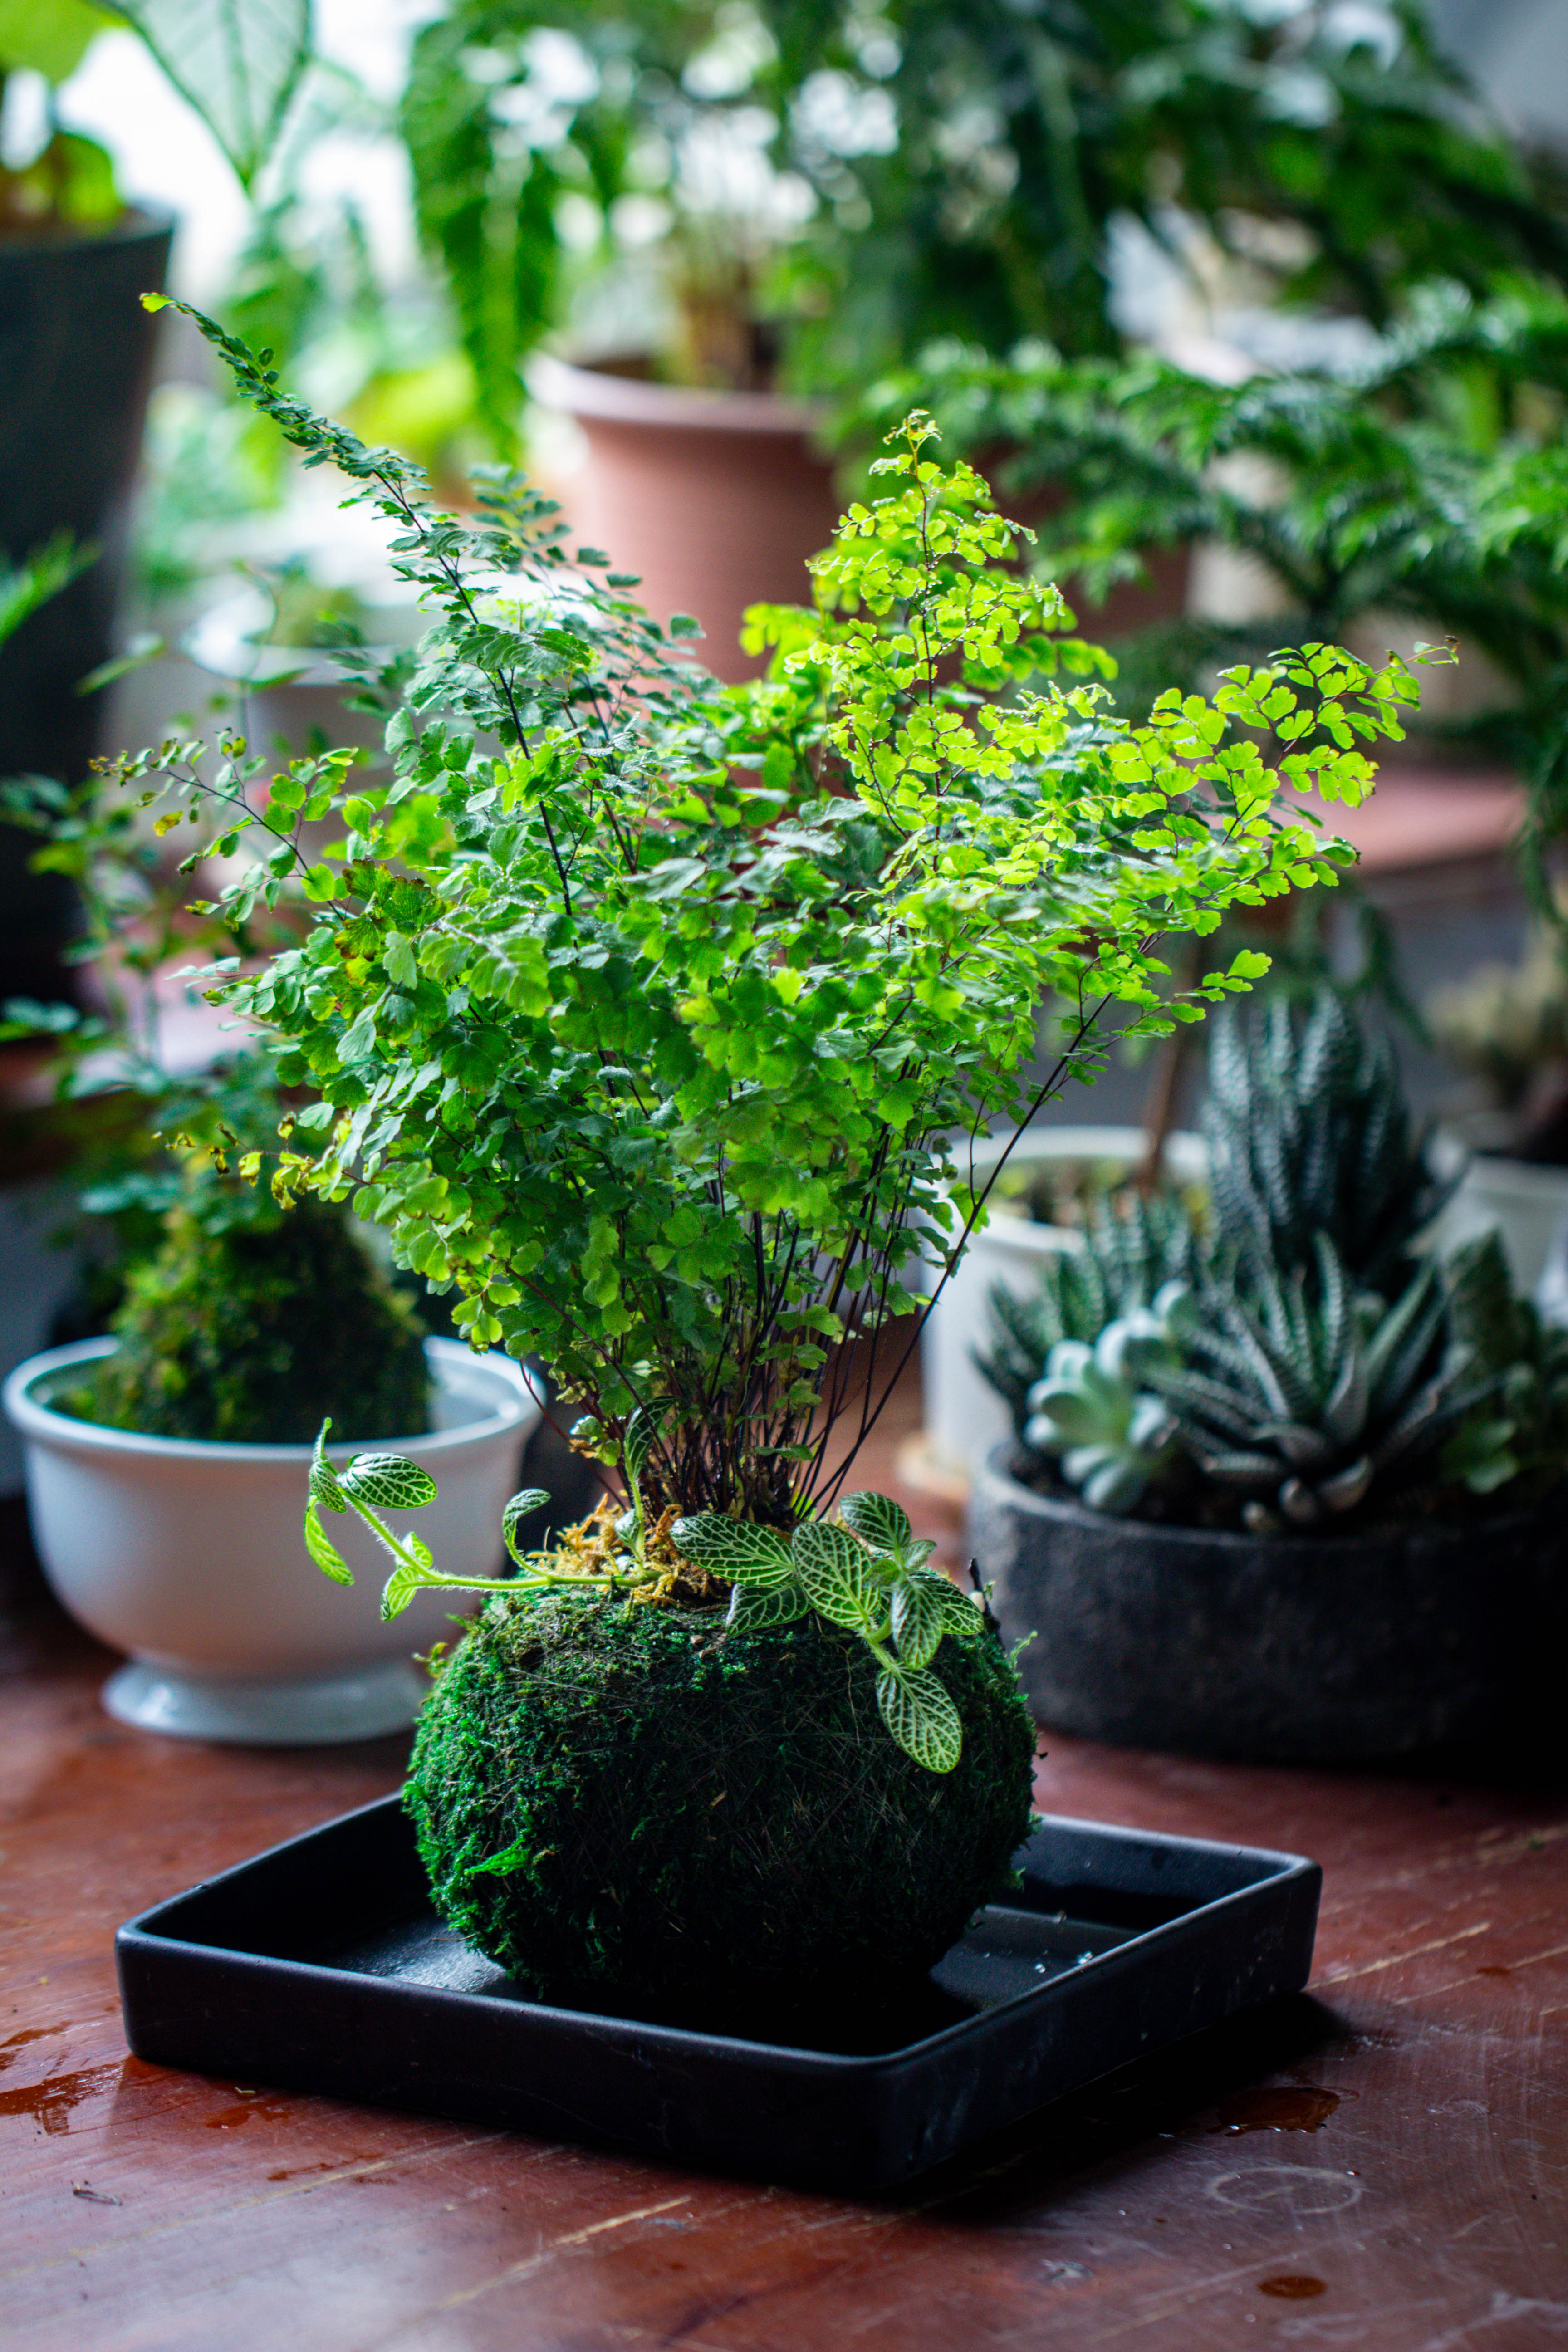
189,1556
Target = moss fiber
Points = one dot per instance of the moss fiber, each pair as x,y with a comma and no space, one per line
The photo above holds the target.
705,1826
253,1335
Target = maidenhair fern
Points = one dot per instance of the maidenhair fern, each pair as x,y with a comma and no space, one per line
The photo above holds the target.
645,1013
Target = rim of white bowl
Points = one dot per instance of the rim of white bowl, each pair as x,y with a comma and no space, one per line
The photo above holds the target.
40,1423
1052,1142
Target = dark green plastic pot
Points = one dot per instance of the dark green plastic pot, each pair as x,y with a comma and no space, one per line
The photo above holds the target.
76,360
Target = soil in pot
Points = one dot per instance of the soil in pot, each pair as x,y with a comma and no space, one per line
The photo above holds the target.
626,1807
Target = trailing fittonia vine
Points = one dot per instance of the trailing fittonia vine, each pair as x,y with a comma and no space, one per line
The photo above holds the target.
870,1574
643,1011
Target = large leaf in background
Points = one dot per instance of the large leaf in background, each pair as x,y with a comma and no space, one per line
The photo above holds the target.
237,61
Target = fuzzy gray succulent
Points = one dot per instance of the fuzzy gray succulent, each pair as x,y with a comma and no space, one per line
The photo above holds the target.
1301,1400
1308,1134
1112,1436
1132,1249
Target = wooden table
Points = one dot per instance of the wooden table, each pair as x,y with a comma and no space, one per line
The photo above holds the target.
1380,2163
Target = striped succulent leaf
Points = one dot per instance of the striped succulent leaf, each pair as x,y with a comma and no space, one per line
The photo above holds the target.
1307,1132
1300,1404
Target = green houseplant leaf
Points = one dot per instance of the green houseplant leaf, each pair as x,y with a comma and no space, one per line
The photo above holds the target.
884,1525
740,1552
390,1481
921,1715
522,1507
237,61
751,1610
51,39
328,1558
837,1577
919,1617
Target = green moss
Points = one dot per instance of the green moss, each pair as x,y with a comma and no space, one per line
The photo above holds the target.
253,1333
702,1824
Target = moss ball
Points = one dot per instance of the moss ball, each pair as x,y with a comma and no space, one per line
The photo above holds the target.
692,1823
254,1333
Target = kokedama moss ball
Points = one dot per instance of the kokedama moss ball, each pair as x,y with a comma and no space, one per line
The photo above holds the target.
695,1823
253,1333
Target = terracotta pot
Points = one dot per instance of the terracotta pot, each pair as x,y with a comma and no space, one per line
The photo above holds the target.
716,498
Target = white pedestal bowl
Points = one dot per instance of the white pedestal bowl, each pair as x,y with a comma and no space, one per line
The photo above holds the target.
189,1556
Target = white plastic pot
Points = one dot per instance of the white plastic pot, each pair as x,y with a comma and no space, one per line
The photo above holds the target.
964,1417
1525,1202
189,1556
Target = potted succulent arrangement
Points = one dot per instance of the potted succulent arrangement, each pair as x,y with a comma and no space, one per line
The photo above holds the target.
162,1451
1281,1486
640,1011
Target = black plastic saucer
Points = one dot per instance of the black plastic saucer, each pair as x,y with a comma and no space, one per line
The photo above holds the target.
321,1966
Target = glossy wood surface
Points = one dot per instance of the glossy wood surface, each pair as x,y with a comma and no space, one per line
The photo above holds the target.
1382,2162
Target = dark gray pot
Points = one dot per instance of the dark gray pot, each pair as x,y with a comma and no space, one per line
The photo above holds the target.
1285,1648
76,359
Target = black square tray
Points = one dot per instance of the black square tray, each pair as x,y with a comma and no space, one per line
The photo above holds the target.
321,1966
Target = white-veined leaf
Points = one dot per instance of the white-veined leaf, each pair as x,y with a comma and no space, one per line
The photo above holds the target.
964,1617
921,1715
324,1487
388,1481
737,1549
750,1611
237,61
398,1590
522,1507
839,1576
877,1520
920,1620
327,1559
